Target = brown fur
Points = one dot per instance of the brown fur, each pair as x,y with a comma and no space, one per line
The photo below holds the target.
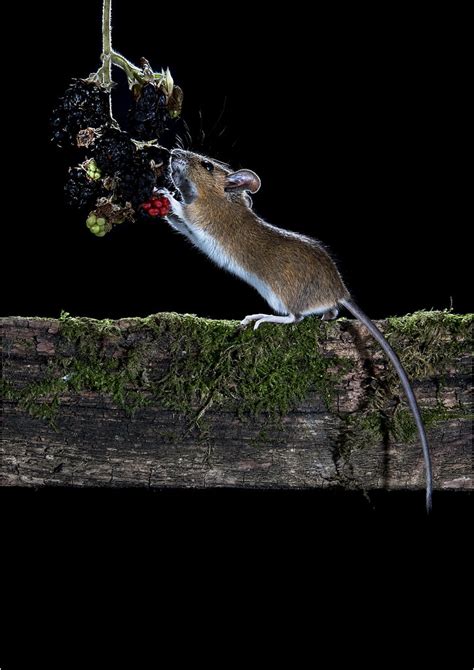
297,268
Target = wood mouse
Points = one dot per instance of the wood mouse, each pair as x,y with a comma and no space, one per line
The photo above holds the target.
292,272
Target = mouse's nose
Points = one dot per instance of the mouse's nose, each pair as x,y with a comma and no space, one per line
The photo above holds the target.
178,153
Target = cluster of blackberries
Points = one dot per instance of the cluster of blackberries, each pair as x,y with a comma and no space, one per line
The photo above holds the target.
119,172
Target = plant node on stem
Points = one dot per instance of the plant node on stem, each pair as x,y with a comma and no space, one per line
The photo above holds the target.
104,74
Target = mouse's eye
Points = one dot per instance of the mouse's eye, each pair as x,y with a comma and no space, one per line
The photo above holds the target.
208,166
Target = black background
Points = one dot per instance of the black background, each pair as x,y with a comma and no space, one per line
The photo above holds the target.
356,123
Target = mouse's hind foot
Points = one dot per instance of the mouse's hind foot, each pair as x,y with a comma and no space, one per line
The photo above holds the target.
269,318
330,315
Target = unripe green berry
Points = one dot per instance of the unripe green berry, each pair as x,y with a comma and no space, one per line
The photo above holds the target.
92,171
91,220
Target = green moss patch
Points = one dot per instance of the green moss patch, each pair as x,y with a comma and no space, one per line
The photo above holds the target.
210,363
266,371
190,364
428,343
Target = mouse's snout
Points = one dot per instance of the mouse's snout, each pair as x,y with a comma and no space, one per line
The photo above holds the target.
178,155
178,161
180,175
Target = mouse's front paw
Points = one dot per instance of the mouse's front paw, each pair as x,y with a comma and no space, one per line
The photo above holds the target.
176,207
163,191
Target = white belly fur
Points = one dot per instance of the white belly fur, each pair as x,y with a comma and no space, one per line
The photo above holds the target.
208,245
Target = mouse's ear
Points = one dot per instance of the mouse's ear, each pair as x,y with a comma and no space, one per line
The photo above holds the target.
242,180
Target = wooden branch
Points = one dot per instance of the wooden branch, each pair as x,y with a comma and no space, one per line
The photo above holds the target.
69,386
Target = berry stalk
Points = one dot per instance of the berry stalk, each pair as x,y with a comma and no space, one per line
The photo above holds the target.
107,43
104,73
135,75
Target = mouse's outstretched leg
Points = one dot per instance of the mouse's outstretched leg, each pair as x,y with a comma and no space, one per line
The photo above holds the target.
269,318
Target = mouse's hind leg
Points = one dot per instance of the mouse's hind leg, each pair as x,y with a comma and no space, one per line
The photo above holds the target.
251,317
330,314
269,318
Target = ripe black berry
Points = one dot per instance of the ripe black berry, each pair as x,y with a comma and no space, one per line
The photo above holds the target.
79,190
83,105
136,180
148,116
113,151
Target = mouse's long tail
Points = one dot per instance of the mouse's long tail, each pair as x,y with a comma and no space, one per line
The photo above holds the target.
375,332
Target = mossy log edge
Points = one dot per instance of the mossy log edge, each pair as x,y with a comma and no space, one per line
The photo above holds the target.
179,401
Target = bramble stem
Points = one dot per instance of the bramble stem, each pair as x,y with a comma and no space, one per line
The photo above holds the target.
134,74
107,44
103,76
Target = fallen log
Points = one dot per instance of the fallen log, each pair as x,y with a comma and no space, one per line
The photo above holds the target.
178,401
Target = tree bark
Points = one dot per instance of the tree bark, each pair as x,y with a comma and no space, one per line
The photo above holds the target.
94,442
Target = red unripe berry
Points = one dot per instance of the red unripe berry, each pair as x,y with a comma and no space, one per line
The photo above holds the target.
165,206
156,206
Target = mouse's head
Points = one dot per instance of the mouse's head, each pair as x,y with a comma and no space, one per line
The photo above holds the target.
198,177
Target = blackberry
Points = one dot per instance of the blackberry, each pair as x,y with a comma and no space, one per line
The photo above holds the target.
159,158
113,151
149,117
136,180
83,105
79,190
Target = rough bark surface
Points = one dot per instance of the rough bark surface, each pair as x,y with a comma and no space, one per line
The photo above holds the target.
96,443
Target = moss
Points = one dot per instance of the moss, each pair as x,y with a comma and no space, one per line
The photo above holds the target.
265,371
41,400
261,439
212,364
26,343
373,427
403,427
359,430
427,343
93,367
